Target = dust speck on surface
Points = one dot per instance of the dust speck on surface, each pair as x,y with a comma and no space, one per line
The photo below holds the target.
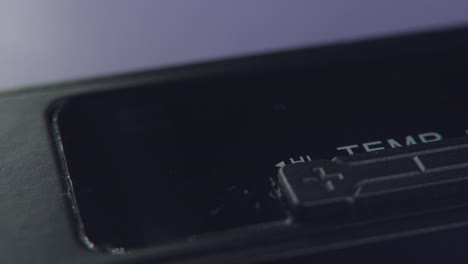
117,251
280,107
272,182
257,205
275,192
216,210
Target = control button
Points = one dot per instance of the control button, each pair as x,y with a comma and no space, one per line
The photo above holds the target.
393,183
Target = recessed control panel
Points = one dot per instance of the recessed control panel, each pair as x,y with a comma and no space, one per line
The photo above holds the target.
192,158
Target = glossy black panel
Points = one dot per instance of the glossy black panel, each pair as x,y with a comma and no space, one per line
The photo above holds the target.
184,158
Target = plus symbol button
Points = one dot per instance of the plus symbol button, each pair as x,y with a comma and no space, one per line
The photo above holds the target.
325,180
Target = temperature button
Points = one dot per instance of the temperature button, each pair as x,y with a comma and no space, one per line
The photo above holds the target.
391,183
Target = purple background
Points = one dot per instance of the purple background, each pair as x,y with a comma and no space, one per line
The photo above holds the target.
53,40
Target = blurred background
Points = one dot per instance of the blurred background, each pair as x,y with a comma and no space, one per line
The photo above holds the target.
55,40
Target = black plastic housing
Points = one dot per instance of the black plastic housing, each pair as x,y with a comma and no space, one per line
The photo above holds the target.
69,149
